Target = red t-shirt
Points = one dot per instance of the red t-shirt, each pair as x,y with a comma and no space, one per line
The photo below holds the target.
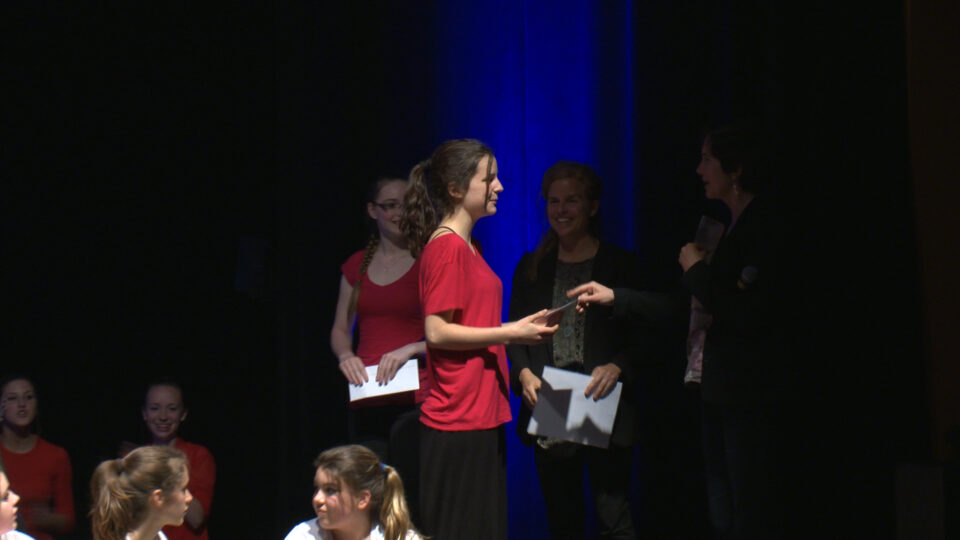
203,474
468,389
388,317
41,477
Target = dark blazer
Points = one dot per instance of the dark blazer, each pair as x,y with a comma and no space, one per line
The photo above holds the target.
745,360
606,339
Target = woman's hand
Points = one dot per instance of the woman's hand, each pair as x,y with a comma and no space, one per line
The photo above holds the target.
591,293
531,387
690,255
602,381
391,362
528,332
353,369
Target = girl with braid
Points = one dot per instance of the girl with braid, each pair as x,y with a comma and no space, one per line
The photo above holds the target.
379,298
462,438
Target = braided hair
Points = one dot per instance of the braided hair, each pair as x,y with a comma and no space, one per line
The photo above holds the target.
372,244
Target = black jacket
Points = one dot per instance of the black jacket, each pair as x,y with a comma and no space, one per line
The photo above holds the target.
745,356
606,339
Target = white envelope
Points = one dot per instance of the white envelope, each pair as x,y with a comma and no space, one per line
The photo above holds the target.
563,412
406,379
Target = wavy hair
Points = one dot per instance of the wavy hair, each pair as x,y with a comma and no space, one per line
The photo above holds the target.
593,188
428,198
120,488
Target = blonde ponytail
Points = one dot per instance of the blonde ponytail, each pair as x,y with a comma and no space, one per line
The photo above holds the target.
360,469
114,506
394,514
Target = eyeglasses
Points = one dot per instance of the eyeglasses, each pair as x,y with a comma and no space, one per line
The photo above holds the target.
389,206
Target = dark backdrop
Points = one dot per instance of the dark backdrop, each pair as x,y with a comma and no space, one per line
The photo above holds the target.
183,181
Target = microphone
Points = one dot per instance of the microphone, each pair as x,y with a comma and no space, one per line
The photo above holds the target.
748,276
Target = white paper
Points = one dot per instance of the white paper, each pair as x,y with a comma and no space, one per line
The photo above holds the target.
406,379
563,412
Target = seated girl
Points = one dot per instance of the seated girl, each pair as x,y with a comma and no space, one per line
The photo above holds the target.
357,498
135,496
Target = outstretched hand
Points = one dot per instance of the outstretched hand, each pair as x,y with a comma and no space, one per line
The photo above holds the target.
591,293
527,331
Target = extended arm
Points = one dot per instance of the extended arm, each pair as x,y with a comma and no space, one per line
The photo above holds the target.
443,333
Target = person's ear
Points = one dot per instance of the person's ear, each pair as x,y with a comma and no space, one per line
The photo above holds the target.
453,191
183,415
156,499
594,207
735,175
363,500
143,411
371,212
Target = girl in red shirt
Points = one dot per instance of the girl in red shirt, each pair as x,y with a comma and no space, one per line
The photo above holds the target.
379,298
163,412
462,444
39,471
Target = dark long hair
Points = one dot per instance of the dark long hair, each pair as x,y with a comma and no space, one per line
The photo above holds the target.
428,197
593,187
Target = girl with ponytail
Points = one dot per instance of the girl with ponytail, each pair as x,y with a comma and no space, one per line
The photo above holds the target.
379,297
462,439
134,497
357,497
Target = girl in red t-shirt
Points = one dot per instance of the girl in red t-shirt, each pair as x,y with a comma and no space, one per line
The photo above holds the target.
379,298
462,444
39,471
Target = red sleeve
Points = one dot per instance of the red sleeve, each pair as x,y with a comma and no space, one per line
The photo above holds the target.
203,475
351,267
63,489
441,286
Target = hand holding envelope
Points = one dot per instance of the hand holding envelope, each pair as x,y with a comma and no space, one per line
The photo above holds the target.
563,411
406,379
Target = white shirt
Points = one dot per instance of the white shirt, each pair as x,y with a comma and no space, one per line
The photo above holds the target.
160,536
310,530
15,535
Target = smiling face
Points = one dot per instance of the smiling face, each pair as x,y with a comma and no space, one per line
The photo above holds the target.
175,504
717,183
8,505
484,189
19,403
162,412
387,208
569,210
336,506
